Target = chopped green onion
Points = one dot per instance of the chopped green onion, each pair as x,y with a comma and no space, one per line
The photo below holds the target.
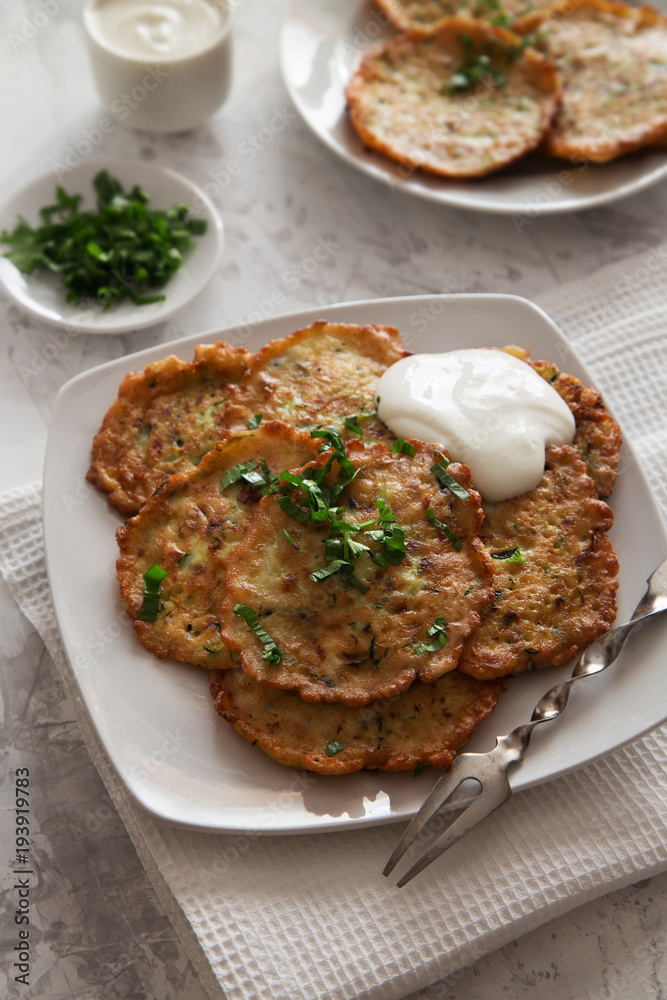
255,421
289,537
333,747
430,514
153,578
404,448
271,652
514,555
437,629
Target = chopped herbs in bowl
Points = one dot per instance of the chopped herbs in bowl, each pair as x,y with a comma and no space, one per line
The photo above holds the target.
113,249
122,249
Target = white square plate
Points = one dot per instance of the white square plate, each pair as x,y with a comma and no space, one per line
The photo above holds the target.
156,718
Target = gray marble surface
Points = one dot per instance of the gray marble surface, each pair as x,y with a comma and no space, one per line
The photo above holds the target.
98,928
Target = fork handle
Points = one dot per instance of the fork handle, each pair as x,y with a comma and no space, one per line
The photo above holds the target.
596,658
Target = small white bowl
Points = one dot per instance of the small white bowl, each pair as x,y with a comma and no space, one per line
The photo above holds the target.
42,295
157,90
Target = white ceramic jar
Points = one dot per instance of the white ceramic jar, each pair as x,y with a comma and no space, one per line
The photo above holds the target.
161,65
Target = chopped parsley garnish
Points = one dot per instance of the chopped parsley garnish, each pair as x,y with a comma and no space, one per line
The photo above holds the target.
446,481
248,472
499,17
352,422
473,69
318,504
430,514
153,578
418,770
528,41
333,747
437,629
271,652
115,252
255,421
514,555
235,473
404,448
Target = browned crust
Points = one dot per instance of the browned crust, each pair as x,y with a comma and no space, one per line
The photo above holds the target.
189,527
269,383
322,658
442,717
598,436
448,33
396,15
597,150
120,466
399,18
564,596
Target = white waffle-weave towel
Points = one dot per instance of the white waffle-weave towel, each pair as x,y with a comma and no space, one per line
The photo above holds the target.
309,918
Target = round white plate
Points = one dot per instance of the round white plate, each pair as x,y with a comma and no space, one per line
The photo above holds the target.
42,295
155,718
321,44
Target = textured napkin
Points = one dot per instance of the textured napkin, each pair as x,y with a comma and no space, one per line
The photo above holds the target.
305,917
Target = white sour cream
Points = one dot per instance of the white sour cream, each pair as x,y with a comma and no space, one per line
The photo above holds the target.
167,30
489,409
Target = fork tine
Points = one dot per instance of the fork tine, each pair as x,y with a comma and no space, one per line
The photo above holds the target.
463,767
490,799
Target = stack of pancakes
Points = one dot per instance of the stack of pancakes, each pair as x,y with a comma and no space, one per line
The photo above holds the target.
390,657
470,87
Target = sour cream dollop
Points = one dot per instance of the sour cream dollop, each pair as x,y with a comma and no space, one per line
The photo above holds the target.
489,409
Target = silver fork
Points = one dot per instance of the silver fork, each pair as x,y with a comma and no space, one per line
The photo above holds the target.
490,770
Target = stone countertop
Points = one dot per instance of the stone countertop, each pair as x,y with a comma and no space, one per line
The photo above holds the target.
101,932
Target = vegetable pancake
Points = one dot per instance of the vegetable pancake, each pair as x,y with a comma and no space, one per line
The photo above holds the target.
189,529
612,60
424,725
462,100
324,374
554,573
359,575
164,420
597,436
408,14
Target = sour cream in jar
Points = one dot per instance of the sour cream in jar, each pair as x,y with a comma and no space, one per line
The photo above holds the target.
161,65
489,409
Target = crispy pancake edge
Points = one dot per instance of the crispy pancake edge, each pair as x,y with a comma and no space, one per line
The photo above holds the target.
483,656
118,468
135,540
379,752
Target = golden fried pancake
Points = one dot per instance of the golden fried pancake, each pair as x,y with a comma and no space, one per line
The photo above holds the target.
562,596
337,640
462,100
612,60
424,725
164,420
598,436
318,376
408,14
189,528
